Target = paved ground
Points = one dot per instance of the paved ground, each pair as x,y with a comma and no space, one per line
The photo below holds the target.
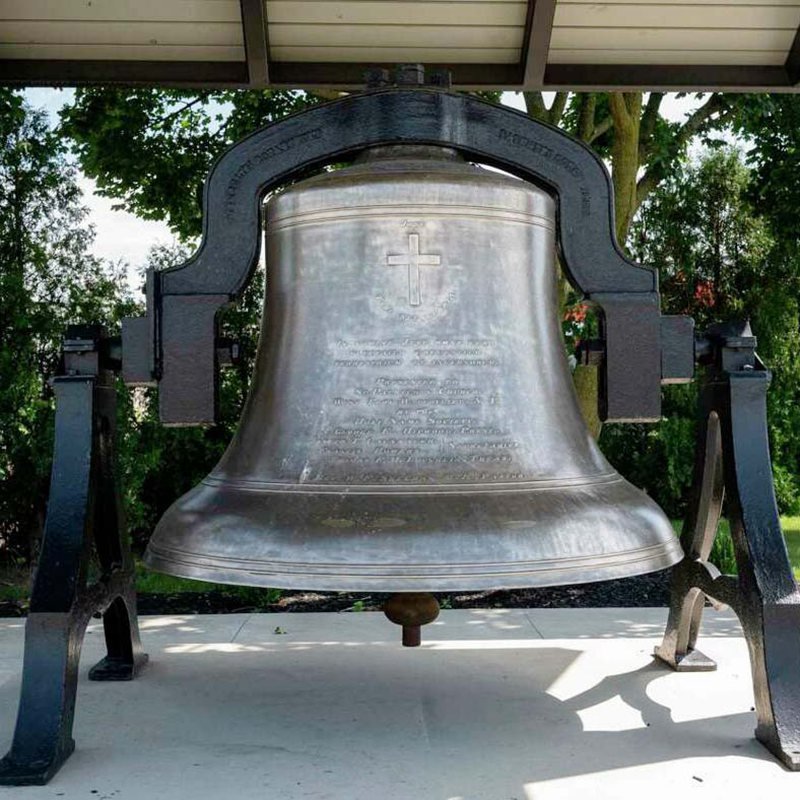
530,705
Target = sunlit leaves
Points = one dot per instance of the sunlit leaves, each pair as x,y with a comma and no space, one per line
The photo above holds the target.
48,279
151,149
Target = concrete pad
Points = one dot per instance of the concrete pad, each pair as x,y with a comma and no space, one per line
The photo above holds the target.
369,627
178,627
335,709
628,623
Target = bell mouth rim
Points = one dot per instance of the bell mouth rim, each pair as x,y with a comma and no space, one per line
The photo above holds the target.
537,573
488,486
383,542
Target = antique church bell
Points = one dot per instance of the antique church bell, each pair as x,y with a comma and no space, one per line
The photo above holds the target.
412,424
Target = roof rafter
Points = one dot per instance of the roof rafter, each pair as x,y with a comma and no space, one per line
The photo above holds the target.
538,30
793,61
254,26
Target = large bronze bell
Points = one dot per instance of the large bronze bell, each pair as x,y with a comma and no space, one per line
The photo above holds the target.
412,424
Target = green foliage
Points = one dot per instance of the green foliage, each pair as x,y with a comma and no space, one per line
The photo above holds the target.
48,279
718,258
152,148
786,489
160,464
724,238
772,125
658,458
723,555
149,582
710,246
15,586
777,324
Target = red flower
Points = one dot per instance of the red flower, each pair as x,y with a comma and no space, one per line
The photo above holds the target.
577,313
704,293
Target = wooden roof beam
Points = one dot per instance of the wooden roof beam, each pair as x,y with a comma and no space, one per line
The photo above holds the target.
667,77
347,76
70,72
793,61
538,30
254,26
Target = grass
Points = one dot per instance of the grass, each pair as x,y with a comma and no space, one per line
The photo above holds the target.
722,553
15,581
15,586
791,532
149,582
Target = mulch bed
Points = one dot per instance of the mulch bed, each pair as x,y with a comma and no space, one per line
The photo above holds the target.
643,590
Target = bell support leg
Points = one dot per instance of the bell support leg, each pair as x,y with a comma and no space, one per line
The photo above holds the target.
764,595
125,656
83,514
699,531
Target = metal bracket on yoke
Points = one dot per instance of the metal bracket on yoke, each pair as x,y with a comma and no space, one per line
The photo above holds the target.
175,345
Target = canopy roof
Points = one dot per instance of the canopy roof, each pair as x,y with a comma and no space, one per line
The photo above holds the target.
503,44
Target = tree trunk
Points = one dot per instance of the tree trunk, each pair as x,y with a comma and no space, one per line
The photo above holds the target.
626,113
626,109
586,382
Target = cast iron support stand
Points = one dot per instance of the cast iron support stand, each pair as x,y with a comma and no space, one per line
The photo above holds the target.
733,464
84,526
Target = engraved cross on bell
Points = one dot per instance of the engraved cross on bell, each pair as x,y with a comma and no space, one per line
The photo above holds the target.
413,260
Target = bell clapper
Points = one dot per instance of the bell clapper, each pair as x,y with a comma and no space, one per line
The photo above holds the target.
412,610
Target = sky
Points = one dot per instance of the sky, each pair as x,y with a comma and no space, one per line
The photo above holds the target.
123,237
120,236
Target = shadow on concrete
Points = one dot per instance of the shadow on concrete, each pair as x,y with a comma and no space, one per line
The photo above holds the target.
468,724
315,712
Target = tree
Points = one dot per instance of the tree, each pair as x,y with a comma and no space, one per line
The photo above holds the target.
628,128
712,248
159,464
151,149
717,257
643,149
48,278
771,124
